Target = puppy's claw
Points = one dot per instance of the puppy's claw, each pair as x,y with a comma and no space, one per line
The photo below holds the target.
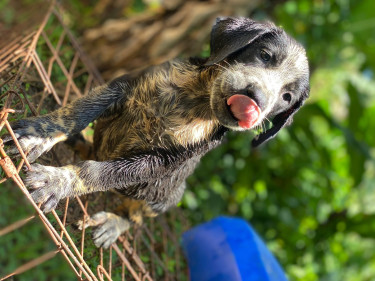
50,204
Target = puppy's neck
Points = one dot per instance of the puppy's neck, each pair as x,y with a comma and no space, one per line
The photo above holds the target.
194,84
196,120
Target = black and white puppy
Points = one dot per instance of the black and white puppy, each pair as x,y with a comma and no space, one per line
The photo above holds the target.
153,127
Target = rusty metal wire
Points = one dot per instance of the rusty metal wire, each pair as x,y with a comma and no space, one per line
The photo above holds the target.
34,57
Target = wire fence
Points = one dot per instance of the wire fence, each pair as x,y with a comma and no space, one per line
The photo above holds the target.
42,67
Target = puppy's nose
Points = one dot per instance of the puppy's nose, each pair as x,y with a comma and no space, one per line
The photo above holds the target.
255,93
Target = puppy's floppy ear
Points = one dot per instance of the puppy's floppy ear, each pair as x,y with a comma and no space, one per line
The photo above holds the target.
229,35
280,121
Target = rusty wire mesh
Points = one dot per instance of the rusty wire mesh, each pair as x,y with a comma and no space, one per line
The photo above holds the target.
41,68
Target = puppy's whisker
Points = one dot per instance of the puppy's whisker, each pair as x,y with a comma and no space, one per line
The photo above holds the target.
269,122
227,62
221,66
264,122
264,127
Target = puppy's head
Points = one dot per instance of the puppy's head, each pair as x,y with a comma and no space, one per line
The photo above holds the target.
265,75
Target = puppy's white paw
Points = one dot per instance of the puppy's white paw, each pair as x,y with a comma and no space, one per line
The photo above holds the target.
50,184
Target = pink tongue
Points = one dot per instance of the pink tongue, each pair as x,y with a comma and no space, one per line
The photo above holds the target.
244,109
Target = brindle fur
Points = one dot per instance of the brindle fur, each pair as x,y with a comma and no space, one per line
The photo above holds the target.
168,106
153,127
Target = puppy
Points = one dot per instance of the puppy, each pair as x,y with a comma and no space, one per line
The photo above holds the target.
153,127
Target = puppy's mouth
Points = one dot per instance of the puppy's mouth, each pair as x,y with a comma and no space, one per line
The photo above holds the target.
244,110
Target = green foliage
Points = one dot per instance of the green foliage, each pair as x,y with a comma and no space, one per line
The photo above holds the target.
309,192
27,243
6,13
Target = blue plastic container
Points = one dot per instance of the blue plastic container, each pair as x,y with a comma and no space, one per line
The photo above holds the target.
228,249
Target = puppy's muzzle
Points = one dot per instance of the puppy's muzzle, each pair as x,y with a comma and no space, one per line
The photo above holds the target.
256,94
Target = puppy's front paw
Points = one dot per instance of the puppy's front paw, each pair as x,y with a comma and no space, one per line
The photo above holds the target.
32,138
110,227
50,184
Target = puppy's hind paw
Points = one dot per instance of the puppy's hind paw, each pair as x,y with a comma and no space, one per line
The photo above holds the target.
110,227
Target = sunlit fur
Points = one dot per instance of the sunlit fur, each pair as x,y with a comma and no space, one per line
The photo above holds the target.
153,127
168,106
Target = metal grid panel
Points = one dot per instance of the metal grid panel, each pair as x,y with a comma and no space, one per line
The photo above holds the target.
42,67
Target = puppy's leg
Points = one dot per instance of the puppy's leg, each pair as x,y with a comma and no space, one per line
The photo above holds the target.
39,134
51,184
135,210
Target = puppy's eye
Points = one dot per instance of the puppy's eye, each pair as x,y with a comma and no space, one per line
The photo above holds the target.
265,56
287,97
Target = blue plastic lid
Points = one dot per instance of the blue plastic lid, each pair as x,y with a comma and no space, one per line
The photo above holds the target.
228,249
